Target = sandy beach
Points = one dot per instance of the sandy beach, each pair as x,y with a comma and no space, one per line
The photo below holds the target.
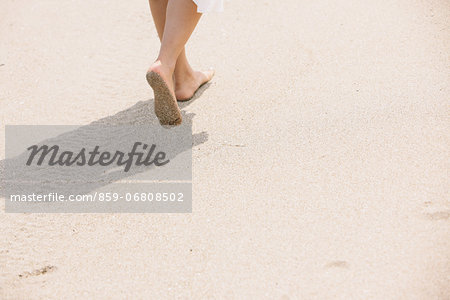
322,172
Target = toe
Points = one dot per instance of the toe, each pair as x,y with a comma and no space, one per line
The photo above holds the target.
209,74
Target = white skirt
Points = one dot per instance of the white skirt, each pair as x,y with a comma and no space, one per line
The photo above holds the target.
205,6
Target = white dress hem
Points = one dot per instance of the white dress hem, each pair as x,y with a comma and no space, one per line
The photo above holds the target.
206,6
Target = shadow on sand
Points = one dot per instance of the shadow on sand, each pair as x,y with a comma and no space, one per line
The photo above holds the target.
17,177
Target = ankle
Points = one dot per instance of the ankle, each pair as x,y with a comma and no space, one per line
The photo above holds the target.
167,66
183,74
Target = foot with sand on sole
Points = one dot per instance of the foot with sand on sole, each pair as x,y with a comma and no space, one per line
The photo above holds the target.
187,82
160,79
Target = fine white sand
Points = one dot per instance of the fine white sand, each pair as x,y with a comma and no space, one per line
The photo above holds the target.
325,169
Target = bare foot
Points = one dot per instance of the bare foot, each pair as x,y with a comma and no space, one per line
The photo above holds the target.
160,79
187,84
165,73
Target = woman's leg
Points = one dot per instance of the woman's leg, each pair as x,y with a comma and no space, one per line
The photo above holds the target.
158,9
186,79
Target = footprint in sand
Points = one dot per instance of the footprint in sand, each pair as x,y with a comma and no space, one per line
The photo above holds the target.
438,215
38,272
337,264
